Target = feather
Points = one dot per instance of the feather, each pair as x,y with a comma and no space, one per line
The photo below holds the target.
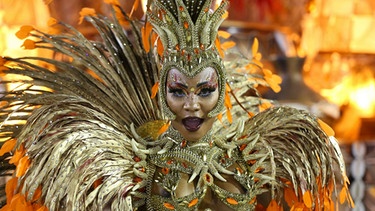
78,111
291,147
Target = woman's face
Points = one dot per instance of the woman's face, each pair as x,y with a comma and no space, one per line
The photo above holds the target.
191,99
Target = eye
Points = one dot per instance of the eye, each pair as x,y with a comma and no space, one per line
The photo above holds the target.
177,92
207,91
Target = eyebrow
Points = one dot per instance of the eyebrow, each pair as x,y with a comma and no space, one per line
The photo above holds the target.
186,87
180,84
202,83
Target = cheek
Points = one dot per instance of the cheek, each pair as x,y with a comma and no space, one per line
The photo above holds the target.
173,104
211,102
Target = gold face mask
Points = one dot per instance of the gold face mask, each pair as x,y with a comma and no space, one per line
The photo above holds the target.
188,36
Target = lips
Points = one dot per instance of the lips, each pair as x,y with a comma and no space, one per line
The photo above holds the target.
192,123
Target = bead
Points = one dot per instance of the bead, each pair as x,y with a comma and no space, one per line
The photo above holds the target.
165,171
184,142
208,178
136,159
137,179
168,206
239,170
232,201
193,202
251,162
242,147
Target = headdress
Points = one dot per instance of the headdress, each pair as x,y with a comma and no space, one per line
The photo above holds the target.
188,31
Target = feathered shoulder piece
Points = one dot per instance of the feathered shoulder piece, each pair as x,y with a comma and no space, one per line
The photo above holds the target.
294,159
65,124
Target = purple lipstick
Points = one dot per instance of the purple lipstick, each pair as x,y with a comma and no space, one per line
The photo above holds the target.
192,124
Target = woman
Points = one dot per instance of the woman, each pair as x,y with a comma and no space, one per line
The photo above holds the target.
94,138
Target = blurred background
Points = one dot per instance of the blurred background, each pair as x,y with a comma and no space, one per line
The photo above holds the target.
323,49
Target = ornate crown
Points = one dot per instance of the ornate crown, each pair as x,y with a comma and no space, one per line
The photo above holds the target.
188,32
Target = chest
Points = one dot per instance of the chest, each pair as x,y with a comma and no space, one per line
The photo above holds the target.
200,179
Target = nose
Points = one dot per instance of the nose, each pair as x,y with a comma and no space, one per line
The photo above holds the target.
192,103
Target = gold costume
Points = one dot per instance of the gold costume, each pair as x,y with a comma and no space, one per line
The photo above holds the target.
91,131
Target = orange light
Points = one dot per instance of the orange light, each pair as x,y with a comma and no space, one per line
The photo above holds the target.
356,90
